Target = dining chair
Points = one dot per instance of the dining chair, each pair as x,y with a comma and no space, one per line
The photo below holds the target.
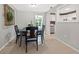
42,37
31,36
41,33
17,32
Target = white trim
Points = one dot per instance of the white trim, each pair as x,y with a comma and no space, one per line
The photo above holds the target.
72,47
6,43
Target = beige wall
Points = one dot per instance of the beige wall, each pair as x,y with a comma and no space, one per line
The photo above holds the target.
23,18
6,32
68,31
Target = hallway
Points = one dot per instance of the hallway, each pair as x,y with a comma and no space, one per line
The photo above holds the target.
50,46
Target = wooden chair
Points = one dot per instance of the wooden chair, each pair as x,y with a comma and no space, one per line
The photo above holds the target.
43,29
41,33
31,32
17,32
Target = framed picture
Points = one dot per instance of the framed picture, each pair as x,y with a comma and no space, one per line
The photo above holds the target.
9,15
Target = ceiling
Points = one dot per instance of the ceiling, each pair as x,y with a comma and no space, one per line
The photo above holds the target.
37,8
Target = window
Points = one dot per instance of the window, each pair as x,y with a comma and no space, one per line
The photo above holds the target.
39,21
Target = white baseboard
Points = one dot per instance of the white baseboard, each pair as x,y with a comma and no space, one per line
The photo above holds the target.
72,47
7,43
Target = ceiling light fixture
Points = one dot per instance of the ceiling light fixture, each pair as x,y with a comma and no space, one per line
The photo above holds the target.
33,5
